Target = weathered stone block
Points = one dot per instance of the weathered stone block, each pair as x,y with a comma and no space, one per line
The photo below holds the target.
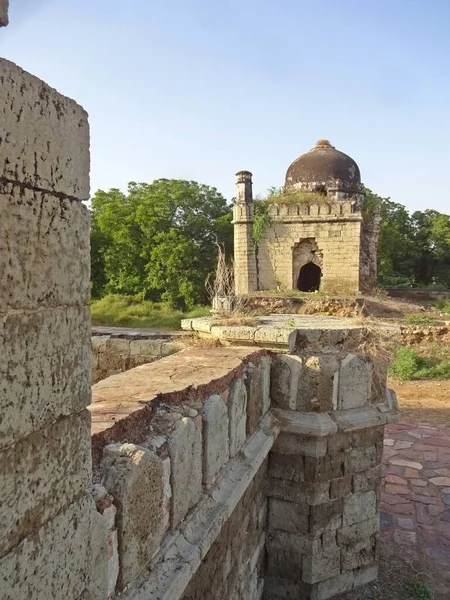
63,543
316,383
265,383
292,517
44,249
312,493
321,563
360,554
3,13
253,382
46,135
41,475
331,587
134,476
285,376
359,507
355,383
285,564
98,582
287,466
185,451
339,443
215,437
341,487
237,413
327,516
288,443
365,575
276,588
367,481
45,368
368,437
360,460
324,468
353,534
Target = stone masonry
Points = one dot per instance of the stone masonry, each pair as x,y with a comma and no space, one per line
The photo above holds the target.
46,507
327,231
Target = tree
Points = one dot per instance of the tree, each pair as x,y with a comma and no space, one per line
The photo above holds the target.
158,240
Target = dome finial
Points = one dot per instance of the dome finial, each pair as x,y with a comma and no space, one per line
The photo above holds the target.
324,144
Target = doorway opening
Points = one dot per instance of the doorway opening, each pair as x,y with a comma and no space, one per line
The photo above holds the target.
309,278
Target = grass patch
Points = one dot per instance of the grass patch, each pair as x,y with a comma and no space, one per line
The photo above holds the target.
409,364
418,590
421,320
128,311
292,196
443,305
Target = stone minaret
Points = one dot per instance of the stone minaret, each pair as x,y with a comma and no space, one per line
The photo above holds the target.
244,251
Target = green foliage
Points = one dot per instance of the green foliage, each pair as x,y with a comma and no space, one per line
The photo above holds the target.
261,221
420,320
131,311
158,240
443,305
292,196
418,590
413,249
408,365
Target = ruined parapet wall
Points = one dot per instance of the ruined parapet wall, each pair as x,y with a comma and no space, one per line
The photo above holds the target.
335,228
185,493
116,353
45,509
4,12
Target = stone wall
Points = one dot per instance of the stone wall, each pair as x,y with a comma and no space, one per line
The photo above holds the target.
46,509
112,354
338,243
183,500
4,12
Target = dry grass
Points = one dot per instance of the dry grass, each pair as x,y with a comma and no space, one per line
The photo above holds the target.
377,343
195,341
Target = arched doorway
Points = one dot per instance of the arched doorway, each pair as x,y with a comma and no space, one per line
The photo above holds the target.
309,278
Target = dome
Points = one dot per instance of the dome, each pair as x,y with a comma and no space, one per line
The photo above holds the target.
323,164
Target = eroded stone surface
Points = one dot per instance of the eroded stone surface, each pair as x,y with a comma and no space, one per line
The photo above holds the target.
215,437
237,407
134,476
46,135
355,383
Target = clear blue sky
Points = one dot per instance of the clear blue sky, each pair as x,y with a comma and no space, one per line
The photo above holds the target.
200,89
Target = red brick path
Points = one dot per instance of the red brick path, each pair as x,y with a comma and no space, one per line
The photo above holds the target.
416,496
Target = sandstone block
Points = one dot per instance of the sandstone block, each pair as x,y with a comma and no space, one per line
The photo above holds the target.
185,451
134,476
44,249
254,386
237,413
327,516
45,364
359,507
265,383
311,493
98,583
355,383
360,460
41,475
285,376
3,13
288,443
341,487
291,517
63,543
321,563
324,468
367,481
215,437
353,534
365,575
46,135
331,587
316,385
360,554
286,466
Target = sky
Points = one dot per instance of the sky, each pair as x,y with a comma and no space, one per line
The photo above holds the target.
198,89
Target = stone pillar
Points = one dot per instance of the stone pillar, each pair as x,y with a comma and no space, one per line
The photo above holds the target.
45,363
4,13
324,477
245,271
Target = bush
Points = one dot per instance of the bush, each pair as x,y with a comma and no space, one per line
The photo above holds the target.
406,364
443,305
131,311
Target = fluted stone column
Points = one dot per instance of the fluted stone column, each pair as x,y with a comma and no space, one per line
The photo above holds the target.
245,272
